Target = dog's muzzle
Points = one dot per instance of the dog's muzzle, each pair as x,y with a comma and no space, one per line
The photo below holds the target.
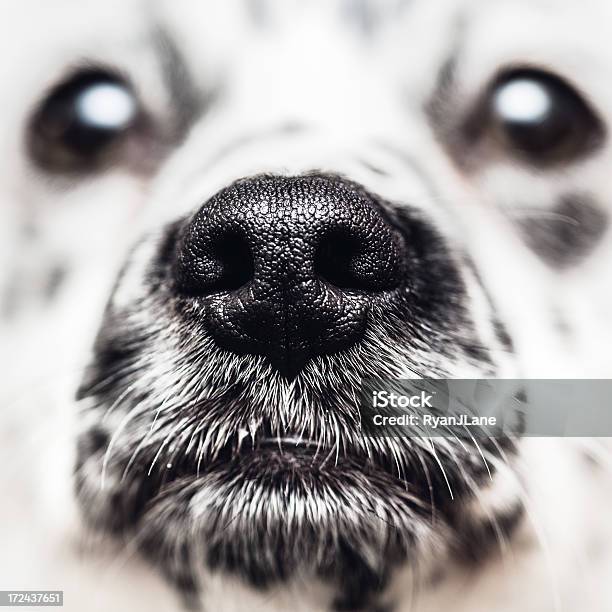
289,267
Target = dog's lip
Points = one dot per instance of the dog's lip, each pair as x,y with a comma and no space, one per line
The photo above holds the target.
266,440
294,441
279,445
245,446
269,456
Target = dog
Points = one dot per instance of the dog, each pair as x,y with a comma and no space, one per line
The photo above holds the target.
219,219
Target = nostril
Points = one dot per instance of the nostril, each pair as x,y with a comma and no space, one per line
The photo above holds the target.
235,260
335,259
224,264
352,262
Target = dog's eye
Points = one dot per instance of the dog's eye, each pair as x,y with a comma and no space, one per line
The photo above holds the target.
542,117
81,119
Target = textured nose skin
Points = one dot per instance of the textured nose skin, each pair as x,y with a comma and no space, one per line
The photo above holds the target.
287,267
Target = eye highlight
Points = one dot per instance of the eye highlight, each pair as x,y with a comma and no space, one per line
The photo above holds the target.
105,106
539,116
522,101
81,121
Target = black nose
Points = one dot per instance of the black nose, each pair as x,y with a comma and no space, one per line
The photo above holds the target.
288,267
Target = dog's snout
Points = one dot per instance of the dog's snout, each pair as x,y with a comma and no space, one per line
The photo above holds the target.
288,267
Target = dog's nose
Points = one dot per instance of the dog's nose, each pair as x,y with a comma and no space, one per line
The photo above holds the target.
288,267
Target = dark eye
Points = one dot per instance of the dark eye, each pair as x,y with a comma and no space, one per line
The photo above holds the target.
81,120
542,117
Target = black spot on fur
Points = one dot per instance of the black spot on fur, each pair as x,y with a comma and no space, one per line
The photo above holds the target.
479,540
503,336
359,585
373,168
569,234
477,352
94,441
56,278
188,100
436,106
